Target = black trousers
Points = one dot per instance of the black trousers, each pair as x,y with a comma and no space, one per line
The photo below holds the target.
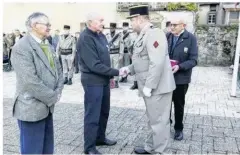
76,63
97,107
179,102
60,60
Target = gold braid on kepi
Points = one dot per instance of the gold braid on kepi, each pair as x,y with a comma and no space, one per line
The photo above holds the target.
138,11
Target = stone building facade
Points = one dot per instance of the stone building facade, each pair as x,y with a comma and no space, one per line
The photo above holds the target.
217,44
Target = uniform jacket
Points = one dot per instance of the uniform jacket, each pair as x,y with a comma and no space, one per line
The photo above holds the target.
186,53
127,41
66,43
118,43
38,85
151,63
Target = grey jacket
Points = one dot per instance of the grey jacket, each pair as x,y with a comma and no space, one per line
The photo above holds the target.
38,85
151,63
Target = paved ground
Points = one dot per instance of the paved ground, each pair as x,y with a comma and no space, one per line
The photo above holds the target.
211,121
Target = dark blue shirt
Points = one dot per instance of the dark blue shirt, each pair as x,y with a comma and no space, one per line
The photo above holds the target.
94,58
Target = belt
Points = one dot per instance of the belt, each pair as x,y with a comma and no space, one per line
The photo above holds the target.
114,53
114,49
65,51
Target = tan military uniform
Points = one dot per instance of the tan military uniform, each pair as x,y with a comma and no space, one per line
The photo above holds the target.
116,56
152,68
66,48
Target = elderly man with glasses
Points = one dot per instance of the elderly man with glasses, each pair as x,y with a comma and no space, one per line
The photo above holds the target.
39,86
183,50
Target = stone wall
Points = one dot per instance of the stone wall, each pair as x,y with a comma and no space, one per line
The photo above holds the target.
217,44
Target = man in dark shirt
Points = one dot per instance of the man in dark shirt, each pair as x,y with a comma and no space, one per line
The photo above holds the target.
182,47
94,59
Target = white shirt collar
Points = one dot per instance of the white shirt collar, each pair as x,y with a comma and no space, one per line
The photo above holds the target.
36,38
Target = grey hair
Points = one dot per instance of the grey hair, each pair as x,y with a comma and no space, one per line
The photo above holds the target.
90,17
33,18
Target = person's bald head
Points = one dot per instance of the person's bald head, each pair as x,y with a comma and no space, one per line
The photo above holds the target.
177,26
94,21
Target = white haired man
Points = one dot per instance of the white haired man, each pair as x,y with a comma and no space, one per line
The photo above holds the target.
96,72
183,49
39,86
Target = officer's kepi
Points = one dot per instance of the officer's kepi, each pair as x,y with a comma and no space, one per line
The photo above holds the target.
138,11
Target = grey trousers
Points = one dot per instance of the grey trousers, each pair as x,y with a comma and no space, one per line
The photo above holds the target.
126,59
68,65
157,110
115,63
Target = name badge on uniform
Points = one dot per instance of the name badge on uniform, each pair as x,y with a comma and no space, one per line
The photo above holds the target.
185,50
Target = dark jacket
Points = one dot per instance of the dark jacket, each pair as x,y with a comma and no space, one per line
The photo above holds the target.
55,40
49,38
186,53
94,58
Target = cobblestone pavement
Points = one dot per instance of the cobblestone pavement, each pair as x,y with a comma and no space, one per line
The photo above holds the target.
211,119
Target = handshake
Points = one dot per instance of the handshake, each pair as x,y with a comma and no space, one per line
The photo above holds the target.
124,71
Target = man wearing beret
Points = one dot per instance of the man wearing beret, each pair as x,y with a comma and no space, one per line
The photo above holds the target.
116,49
66,49
152,68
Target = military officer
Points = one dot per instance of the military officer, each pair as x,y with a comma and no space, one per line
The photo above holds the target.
151,65
116,49
66,48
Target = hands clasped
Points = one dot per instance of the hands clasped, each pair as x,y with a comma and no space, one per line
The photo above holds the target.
124,71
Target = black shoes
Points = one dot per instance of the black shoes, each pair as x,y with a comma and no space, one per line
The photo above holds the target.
106,142
139,150
123,80
135,85
70,81
95,151
66,80
178,135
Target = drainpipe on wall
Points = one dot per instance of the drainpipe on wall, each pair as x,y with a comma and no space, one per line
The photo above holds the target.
236,63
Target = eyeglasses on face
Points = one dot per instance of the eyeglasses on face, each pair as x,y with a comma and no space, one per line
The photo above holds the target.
175,25
46,24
